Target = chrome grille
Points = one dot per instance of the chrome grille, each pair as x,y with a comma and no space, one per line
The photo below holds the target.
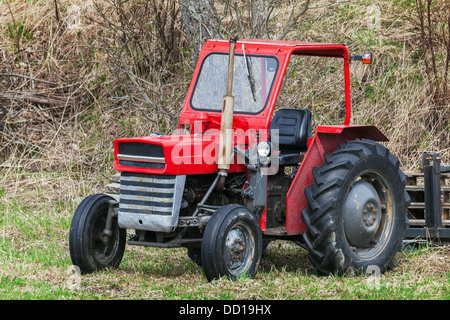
147,194
150,202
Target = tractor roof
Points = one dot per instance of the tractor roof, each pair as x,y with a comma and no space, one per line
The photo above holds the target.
263,46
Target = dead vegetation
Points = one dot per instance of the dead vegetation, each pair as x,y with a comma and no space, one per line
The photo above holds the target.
78,71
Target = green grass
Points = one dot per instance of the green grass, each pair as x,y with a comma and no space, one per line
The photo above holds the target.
36,265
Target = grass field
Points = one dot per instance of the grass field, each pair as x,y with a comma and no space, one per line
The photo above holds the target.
35,215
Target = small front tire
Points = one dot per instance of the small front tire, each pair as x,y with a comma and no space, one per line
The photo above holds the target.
232,244
90,250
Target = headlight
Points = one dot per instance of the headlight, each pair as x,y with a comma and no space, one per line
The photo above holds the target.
264,149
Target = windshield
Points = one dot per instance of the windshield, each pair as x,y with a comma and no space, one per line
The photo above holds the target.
252,81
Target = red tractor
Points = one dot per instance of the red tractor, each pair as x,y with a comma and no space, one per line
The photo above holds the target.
234,177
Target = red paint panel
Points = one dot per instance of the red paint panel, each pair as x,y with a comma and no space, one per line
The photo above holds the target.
184,154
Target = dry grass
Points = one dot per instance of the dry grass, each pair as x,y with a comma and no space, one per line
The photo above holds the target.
53,153
72,63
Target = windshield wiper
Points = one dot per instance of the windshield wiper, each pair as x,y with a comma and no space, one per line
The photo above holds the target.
248,74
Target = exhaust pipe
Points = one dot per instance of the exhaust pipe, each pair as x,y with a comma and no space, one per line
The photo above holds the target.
226,124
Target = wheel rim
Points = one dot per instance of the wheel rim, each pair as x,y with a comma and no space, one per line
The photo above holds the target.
368,214
239,249
104,247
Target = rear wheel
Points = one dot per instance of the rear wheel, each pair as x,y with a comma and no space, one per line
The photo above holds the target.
356,213
90,248
232,243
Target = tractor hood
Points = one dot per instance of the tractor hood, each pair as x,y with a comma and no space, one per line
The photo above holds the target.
174,154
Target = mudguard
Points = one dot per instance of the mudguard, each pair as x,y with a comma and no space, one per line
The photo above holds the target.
325,139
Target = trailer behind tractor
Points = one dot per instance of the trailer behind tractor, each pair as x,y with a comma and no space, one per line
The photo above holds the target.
239,174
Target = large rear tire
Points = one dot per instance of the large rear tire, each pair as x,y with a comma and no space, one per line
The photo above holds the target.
90,249
356,212
232,243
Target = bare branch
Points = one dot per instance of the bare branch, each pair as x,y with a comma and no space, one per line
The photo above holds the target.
38,98
25,77
294,18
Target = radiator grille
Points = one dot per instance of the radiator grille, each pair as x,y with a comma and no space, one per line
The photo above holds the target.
150,202
146,194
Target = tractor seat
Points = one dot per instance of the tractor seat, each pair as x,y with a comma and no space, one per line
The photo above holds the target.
294,129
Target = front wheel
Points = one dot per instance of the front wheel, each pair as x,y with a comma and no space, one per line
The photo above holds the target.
232,243
90,248
356,213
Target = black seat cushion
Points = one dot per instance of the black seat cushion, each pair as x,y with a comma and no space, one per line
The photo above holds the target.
294,129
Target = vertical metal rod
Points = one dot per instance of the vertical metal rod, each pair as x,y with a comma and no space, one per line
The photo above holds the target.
231,67
111,213
348,102
432,183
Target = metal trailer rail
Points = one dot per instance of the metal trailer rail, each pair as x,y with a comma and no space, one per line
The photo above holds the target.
429,210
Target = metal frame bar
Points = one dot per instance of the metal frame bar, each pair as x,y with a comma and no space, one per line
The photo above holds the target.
141,158
433,229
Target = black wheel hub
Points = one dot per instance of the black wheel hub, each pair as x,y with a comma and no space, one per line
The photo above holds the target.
104,246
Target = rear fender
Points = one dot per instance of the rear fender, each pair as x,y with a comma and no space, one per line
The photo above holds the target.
324,140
